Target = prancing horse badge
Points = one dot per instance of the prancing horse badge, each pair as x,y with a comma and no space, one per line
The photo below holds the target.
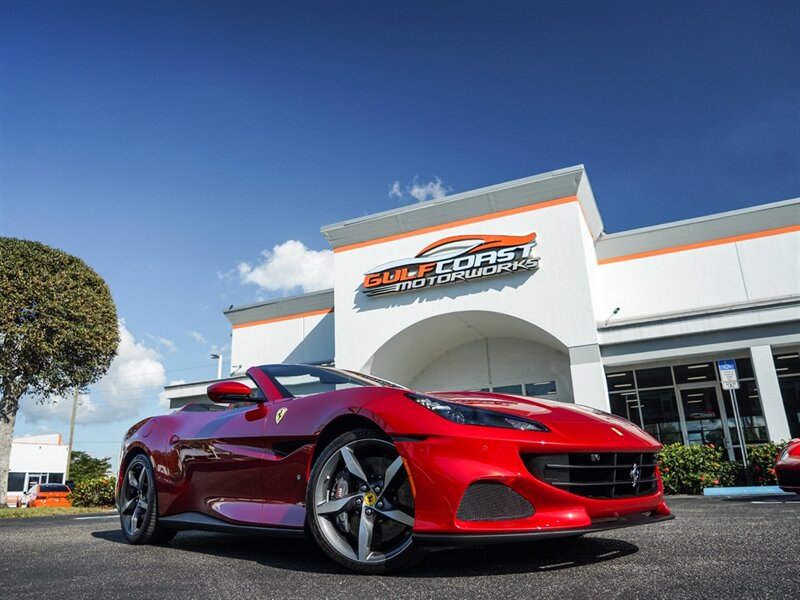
279,415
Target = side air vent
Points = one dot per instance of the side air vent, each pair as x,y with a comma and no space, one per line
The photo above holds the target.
492,501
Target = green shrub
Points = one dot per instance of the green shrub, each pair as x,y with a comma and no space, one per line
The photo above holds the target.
93,492
762,462
689,469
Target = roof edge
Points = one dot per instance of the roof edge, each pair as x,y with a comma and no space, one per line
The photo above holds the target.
458,208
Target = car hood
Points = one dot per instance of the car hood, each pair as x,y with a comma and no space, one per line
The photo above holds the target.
556,415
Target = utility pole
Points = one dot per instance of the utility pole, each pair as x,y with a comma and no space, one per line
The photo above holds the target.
71,430
218,358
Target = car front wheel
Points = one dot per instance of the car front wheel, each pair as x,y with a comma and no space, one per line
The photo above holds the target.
360,504
138,506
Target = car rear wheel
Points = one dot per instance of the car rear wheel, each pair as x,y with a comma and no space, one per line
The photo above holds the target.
360,504
138,506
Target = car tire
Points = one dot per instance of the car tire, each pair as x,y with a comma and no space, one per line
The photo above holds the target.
359,485
138,505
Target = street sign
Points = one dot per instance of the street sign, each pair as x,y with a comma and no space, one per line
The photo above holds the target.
730,382
727,374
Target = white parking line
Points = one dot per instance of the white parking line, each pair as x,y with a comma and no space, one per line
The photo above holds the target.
103,517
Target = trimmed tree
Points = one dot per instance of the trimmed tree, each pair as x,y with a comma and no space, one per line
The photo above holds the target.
83,466
58,330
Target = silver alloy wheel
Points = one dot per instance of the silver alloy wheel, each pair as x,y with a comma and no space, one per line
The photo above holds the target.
135,498
384,526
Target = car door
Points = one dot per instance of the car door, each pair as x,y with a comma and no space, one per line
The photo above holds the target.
220,455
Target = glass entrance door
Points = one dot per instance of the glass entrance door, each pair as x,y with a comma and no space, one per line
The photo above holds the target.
705,417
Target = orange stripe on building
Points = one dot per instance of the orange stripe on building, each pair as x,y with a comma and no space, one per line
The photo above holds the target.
727,240
478,219
312,313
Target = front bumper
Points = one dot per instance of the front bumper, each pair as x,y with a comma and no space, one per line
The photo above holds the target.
442,468
479,539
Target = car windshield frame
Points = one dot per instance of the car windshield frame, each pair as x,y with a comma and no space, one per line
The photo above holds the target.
296,381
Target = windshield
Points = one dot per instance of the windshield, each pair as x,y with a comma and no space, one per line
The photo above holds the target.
303,380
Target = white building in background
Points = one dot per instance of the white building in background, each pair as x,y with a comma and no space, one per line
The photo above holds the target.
36,459
518,288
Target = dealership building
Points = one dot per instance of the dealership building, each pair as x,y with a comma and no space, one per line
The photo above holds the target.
517,288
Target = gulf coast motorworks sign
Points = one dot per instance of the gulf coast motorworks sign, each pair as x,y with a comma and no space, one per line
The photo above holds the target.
454,259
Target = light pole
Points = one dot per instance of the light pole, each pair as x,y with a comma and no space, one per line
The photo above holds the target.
219,364
71,430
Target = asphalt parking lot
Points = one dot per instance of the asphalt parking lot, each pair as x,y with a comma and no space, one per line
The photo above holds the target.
715,548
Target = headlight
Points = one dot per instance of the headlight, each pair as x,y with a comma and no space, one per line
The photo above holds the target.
784,454
468,415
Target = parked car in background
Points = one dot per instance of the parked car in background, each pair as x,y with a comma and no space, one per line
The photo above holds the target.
46,494
25,497
787,467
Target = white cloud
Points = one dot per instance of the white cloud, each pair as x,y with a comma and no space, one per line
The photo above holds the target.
198,337
223,349
163,400
168,344
289,266
134,376
429,190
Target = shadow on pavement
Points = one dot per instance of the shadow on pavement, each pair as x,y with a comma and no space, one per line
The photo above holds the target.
304,556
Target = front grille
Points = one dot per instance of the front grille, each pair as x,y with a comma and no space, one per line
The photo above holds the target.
597,474
492,501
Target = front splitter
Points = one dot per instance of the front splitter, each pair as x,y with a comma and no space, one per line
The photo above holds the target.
480,539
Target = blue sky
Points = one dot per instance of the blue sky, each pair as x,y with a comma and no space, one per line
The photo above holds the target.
169,143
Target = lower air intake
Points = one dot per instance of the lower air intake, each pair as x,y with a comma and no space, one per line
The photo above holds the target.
597,474
492,501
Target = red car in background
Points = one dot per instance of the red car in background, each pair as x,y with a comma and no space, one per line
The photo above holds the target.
47,494
376,473
787,467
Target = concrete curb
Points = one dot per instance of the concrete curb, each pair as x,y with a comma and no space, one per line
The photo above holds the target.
750,490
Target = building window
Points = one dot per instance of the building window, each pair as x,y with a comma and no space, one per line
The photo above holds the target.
660,417
620,382
787,368
508,389
55,478
540,389
543,388
36,479
16,482
652,378
696,373
753,422
685,403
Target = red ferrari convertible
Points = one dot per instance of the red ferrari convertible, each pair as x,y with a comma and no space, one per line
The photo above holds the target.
787,467
376,473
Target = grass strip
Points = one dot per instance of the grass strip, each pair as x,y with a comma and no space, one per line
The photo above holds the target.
51,511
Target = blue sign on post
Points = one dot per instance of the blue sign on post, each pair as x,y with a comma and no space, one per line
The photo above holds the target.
730,382
727,374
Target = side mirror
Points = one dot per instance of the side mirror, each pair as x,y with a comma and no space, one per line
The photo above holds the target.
229,391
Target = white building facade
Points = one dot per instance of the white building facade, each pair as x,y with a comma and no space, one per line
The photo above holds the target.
35,459
517,288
